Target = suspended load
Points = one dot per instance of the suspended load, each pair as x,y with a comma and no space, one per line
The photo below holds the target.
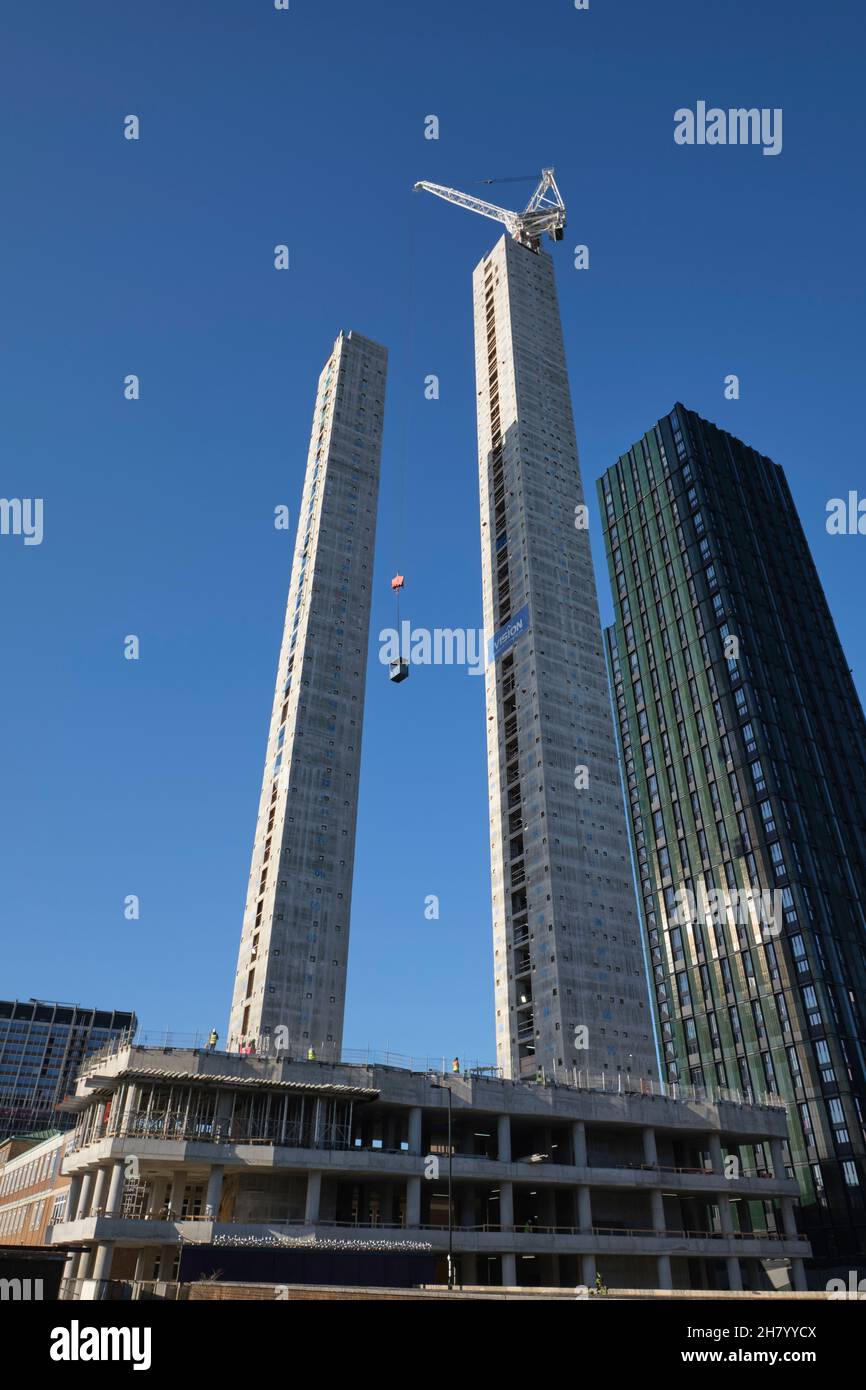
398,670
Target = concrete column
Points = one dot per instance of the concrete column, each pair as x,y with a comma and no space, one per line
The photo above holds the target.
102,1263
466,1204
587,1270
578,1144
144,1262
85,1263
392,1210
178,1188
584,1208
70,1266
415,1129
798,1276
509,1270
314,1196
73,1197
413,1202
84,1195
214,1192
129,1108
716,1154
735,1274
157,1198
650,1151
789,1218
165,1262
506,1207
658,1210
503,1138
777,1151
665,1278
100,1189
387,1134
222,1117
547,1203
726,1216
114,1199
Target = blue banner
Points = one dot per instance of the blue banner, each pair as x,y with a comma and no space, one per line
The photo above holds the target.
503,640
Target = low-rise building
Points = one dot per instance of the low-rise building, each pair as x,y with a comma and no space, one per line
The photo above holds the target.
550,1184
33,1187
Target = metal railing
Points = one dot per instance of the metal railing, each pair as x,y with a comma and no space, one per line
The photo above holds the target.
625,1084
529,1228
295,1134
574,1078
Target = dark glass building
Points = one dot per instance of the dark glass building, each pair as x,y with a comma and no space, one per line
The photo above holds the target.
744,757
42,1046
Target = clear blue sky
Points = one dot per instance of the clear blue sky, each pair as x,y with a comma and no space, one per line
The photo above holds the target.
155,257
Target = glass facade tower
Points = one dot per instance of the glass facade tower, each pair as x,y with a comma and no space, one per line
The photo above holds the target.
744,754
42,1046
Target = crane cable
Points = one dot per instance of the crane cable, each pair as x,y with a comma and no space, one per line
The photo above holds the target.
398,581
512,178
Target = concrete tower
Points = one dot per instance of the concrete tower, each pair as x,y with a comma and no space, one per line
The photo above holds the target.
571,988
291,973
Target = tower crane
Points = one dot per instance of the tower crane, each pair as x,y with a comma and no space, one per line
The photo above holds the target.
545,211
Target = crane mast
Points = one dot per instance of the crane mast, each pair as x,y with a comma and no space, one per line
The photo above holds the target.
544,213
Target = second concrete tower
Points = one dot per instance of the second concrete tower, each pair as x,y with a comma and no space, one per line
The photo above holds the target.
571,988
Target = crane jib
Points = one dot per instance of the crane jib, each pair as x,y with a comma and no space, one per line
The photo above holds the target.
544,213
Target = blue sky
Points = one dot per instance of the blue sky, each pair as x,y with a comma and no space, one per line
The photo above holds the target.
156,257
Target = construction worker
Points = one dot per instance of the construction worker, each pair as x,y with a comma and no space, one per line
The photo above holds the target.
455,1065
311,1054
213,1039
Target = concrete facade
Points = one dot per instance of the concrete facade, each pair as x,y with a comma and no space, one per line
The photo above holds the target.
570,976
290,984
550,1184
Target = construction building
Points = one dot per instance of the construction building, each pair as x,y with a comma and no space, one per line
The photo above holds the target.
546,1185
290,985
